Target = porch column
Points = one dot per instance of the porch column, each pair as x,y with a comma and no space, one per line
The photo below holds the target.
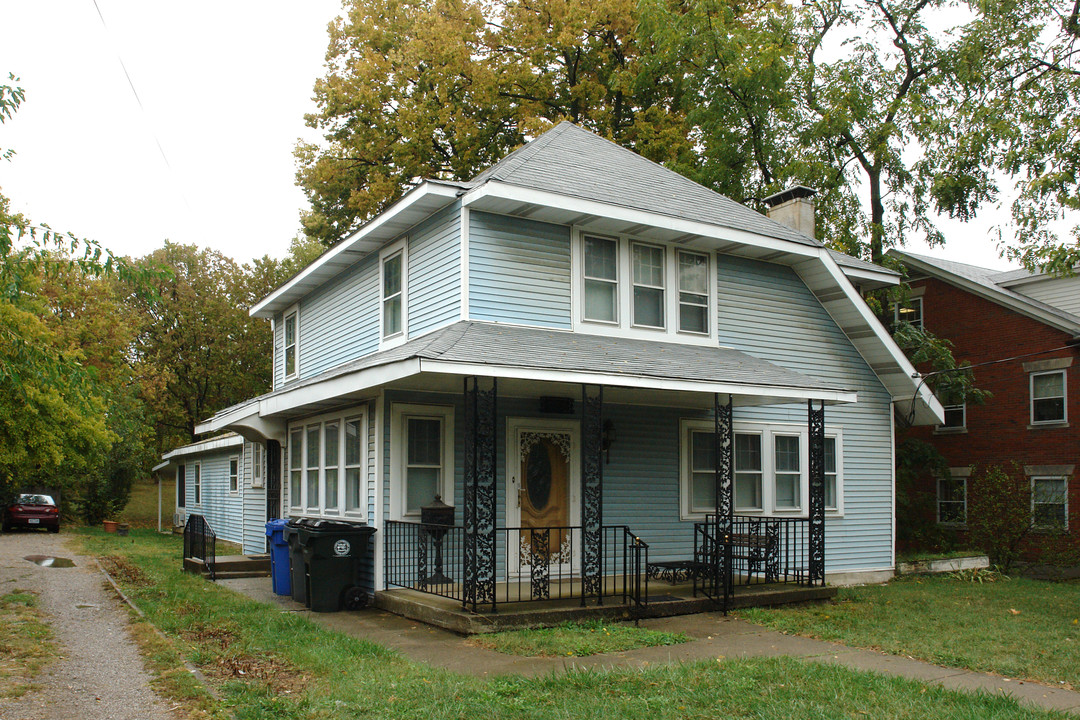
273,479
816,540
479,505
724,453
592,495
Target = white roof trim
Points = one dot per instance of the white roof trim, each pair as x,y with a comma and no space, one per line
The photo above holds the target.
219,443
1013,302
365,240
579,206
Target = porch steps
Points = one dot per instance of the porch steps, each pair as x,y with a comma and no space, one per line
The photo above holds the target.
448,614
232,566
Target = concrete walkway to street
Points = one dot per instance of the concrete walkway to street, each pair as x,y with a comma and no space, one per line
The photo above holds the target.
714,636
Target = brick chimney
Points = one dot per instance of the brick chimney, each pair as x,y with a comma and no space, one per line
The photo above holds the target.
793,207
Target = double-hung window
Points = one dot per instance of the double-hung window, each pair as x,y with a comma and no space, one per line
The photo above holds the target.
234,474
952,500
1050,503
787,475
629,288
327,465
258,452
910,311
394,293
749,471
1048,397
291,341
423,464
198,483
955,417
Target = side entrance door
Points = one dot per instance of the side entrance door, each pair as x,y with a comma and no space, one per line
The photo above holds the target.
542,494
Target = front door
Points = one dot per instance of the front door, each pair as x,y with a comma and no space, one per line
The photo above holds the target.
542,496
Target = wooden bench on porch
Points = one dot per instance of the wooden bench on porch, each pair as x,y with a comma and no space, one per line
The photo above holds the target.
759,551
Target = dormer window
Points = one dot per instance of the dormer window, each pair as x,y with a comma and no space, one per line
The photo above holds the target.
648,290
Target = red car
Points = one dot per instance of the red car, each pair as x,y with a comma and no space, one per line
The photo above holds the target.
32,511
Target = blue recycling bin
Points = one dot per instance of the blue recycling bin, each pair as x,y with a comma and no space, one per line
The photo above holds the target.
280,577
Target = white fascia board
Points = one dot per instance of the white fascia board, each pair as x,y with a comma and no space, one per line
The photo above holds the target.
886,278
268,306
344,384
222,419
911,381
780,394
580,206
160,466
204,446
1017,304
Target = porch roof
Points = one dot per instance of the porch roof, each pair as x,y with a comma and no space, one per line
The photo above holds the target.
541,355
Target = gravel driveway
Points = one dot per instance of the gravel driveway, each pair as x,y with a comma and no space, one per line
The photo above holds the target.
99,674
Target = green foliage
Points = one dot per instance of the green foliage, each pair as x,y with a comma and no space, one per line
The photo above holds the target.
916,509
1000,519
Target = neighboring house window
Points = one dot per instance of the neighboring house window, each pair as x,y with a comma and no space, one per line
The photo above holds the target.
693,292
423,461
326,466
392,305
910,311
290,343
1050,503
198,484
955,416
952,500
234,474
1048,397
601,301
770,469
296,472
630,288
648,273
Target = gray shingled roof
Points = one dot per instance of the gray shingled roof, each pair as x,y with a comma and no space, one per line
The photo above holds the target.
482,343
989,279
572,161
849,261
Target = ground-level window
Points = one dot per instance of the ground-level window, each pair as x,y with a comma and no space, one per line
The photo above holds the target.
771,464
258,462
423,456
234,474
1050,503
327,461
198,483
952,500
1048,397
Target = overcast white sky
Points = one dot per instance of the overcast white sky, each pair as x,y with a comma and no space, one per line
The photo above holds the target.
223,87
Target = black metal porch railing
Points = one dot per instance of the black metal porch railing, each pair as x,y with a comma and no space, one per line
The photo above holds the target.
758,549
200,542
530,564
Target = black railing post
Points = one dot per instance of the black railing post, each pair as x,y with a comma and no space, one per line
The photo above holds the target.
479,507
724,449
592,489
816,549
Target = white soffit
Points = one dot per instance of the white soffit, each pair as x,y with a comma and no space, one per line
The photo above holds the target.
418,204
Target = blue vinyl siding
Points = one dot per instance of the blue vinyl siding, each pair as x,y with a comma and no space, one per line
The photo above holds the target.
254,504
434,284
223,510
519,271
767,311
339,321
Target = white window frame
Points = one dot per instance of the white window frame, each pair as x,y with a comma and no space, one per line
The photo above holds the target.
953,477
663,287
1064,480
617,282
910,302
301,426
678,290
234,477
258,464
196,483
768,433
294,312
1064,397
388,252
295,463
399,416
625,325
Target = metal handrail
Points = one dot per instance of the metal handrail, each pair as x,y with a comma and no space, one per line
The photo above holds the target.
200,543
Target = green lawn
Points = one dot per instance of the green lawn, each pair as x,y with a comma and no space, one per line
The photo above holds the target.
269,664
1013,627
576,639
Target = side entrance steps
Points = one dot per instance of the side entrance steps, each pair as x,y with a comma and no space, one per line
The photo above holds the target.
231,566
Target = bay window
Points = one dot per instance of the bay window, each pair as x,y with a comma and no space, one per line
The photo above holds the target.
327,465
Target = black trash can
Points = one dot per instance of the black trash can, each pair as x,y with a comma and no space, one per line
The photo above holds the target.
336,554
295,534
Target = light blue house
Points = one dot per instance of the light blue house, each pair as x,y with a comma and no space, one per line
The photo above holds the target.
591,358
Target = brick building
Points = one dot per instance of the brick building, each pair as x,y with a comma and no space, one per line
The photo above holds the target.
1033,418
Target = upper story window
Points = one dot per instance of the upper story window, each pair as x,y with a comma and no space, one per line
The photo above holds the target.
1048,397
291,342
909,311
393,272
770,469
628,287
326,464
955,417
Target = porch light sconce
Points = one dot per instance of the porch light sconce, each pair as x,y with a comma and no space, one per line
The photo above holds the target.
607,437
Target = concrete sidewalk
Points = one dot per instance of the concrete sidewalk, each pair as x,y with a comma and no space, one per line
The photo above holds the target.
714,636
